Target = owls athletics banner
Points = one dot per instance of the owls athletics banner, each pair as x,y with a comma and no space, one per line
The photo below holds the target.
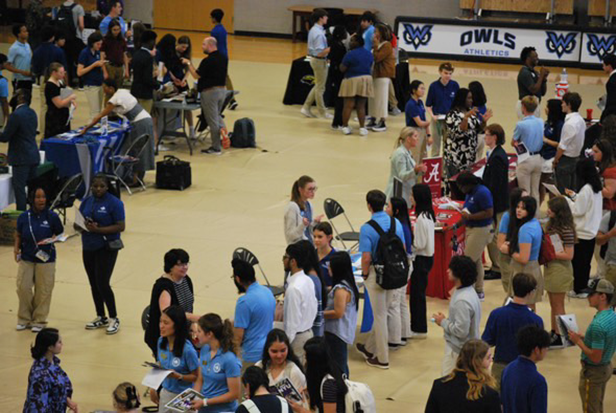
492,41
597,45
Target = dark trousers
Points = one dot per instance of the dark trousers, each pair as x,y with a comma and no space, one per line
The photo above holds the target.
565,174
339,352
19,84
99,267
337,100
21,175
419,282
582,257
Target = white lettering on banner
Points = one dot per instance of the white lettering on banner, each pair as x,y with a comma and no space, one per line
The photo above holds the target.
491,42
434,175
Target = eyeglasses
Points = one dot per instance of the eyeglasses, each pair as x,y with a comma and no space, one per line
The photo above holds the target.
183,264
312,188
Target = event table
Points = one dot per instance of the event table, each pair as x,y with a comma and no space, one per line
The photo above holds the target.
7,196
169,106
84,154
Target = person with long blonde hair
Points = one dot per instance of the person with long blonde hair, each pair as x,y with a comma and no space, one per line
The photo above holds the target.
469,387
298,218
403,166
558,274
219,367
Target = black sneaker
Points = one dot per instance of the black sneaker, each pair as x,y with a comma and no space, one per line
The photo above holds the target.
114,326
211,151
98,322
492,275
371,123
556,342
380,127
233,105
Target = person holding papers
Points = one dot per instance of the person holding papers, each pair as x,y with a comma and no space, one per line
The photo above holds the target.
37,263
558,273
528,140
57,117
175,352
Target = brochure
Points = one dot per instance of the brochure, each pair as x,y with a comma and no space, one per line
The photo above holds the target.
522,152
155,377
552,189
181,402
567,323
557,243
286,389
58,238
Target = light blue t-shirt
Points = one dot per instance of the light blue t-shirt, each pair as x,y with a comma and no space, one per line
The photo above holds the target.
531,233
503,227
215,372
20,56
104,26
184,365
368,35
317,42
530,132
254,312
369,238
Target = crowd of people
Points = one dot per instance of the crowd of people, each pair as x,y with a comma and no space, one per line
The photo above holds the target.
303,340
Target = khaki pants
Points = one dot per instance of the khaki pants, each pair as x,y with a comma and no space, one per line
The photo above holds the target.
377,105
319,67
439,136
147,104
476,240
449,360
529,175
497,372
34,305
610,275
376,341
94,94
393,101
117,74
493,250
298,344
593,380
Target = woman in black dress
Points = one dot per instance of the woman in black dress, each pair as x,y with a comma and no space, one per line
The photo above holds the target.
56,119
335,76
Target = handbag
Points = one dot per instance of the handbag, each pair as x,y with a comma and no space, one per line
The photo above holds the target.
113,245
547,252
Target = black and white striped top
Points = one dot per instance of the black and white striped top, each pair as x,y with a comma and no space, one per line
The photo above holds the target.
185,296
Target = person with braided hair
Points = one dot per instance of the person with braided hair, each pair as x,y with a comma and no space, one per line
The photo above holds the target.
126,398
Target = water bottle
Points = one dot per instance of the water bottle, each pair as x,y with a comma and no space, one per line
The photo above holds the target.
564,78
562,86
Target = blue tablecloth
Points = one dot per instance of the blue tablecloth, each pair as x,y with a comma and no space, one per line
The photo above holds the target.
84,154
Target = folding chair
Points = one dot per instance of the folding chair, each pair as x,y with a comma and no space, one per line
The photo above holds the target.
332,210
67,195
129,158
202,127
247,256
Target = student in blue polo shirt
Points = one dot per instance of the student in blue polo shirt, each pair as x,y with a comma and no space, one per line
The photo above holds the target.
115,13
440,98
175,352
4,92
91,68
523,388
219,369
20,58
104,218
478,213
220,34
37,263
375,347
415,112
505,322
254,312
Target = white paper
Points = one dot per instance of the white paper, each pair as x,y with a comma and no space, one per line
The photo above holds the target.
567,323
479,172
71,111
155,378
552,188
80,221
522,152
441,117
450,205
161,66
557,243
58,238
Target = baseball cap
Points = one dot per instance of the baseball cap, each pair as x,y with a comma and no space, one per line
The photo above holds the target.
599,286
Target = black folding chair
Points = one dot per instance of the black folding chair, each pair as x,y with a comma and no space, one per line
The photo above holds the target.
332,210
67,195
247,256
127,159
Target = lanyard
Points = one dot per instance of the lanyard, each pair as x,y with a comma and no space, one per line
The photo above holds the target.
32,232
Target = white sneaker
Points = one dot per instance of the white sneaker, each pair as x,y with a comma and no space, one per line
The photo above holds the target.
98,322
327,116
21,327
114,326
417,336
163,148
346,130
36,329
307,113
395,111
363,132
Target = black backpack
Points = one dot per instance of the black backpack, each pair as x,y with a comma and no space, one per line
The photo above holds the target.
65,22
391,264
244,135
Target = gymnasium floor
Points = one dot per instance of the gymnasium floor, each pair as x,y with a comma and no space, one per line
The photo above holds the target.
238,199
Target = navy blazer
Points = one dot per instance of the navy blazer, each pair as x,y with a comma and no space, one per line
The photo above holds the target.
610,102
20,133
496,178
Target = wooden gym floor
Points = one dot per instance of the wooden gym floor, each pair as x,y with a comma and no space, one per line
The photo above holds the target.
238,199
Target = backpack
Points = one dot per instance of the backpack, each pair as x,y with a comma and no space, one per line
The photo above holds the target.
244,134
392,263
65,22
252,407
603,249
359,397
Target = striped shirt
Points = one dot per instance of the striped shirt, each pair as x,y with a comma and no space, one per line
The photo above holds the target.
601,335
185,296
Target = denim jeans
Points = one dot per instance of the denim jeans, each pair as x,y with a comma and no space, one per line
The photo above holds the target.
339,352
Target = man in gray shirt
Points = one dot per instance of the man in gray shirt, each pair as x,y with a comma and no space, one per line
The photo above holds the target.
531,82
464,311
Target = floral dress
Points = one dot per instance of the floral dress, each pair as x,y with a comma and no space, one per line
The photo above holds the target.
48,387
461,146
